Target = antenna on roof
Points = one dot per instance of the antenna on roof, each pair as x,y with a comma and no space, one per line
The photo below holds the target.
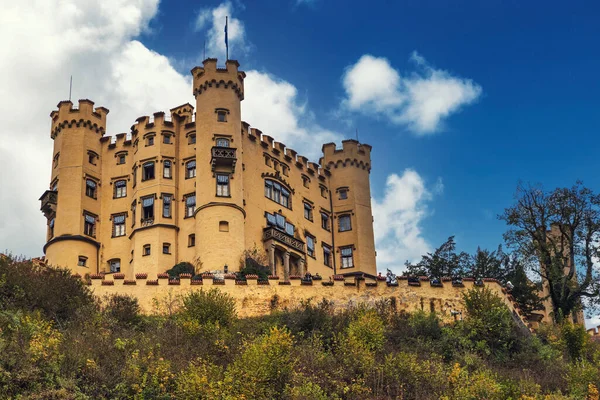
204,49
357,134
70,87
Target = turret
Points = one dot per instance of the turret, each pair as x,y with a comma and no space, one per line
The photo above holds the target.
350,192
219,213
72,204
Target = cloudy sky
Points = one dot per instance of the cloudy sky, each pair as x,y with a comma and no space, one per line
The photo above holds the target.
459,103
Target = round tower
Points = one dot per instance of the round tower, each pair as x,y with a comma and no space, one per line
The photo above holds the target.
350,190
219,209
72,203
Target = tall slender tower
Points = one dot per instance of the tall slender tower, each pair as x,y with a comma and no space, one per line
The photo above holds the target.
72,205
351,205
220,214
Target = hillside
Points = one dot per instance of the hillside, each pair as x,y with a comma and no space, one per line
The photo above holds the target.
58,342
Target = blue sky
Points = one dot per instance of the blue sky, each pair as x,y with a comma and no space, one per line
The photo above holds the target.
460,100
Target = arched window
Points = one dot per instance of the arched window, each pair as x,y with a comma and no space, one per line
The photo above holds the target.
278,193
115,265
120,189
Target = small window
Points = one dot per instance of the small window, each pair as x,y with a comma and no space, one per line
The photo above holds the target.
89,225
323,191
167,199
344,223
120,189
191,240
148,171
82,261
167,169
118,225
54,185
115,265
166,248
222,116
146,250
190,169
305,181
192,139
150,141
267,160
343,194
190,205
90,188
310,245
308,212
92,157
222,142
121,159
285,170
347,257
55,161
325,221
147,211
167,138
51,227
134,176
222,185
133,207
278,193
223,226
327,256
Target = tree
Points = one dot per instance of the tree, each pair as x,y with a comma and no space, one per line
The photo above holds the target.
557,233
488,264
442,262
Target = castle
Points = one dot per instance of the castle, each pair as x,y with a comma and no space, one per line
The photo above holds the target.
200,185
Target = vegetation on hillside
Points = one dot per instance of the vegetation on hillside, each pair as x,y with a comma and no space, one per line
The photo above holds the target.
58,342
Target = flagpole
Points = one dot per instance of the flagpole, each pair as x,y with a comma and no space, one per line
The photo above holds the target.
70,87
226,41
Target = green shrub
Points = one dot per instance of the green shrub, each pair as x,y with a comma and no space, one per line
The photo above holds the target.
123,309
181,268
208,307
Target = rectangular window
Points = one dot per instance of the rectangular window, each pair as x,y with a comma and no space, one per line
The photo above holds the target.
344,222
148,171
268,189
166,248
92,158
327,256
115,266
150,141
192,139
190,205
308,212
343,194
120,189
323,191
167,139
190,169
280,221
146,250
147,211
133,207
134,175
121,159
90,188
82,261
305,181
222,116
89,225
167,169
289,229
310,245
347,258
118,225
191,240
271,220
325,221
222,185
167,199
222,142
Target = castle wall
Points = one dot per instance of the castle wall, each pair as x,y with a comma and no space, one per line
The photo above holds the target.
256,299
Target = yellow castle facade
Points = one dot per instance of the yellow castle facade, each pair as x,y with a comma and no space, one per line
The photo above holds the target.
200,185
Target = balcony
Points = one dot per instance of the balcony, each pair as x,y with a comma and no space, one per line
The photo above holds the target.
49,200
282,237
147,222
223,157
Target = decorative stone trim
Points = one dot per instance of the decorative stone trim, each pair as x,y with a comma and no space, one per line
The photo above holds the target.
96,276
239,282
141,276
274,277
129,282
152,282
174,282
162,276
196,282
108,283
118,276
284,283
327,283
185,276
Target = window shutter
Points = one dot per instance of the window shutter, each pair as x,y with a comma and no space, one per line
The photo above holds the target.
191,201
119,219
289,229
90,219
167,164
271,220
167,199
148,201
222,178
91,183
191,164
347,251
120,184
280,219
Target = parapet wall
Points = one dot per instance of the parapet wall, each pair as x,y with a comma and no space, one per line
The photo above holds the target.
254,298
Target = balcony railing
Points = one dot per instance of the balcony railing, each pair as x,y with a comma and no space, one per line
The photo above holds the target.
282,237
49,200
223,156
147,221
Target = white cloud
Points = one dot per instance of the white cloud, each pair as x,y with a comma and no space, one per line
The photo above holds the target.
398,235
213,21
592,322
421,100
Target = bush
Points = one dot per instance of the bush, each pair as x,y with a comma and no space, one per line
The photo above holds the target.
209,307
254,262
124,310
181,268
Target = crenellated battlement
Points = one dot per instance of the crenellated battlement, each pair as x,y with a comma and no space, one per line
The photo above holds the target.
254,297
352,153
83,115
209,75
